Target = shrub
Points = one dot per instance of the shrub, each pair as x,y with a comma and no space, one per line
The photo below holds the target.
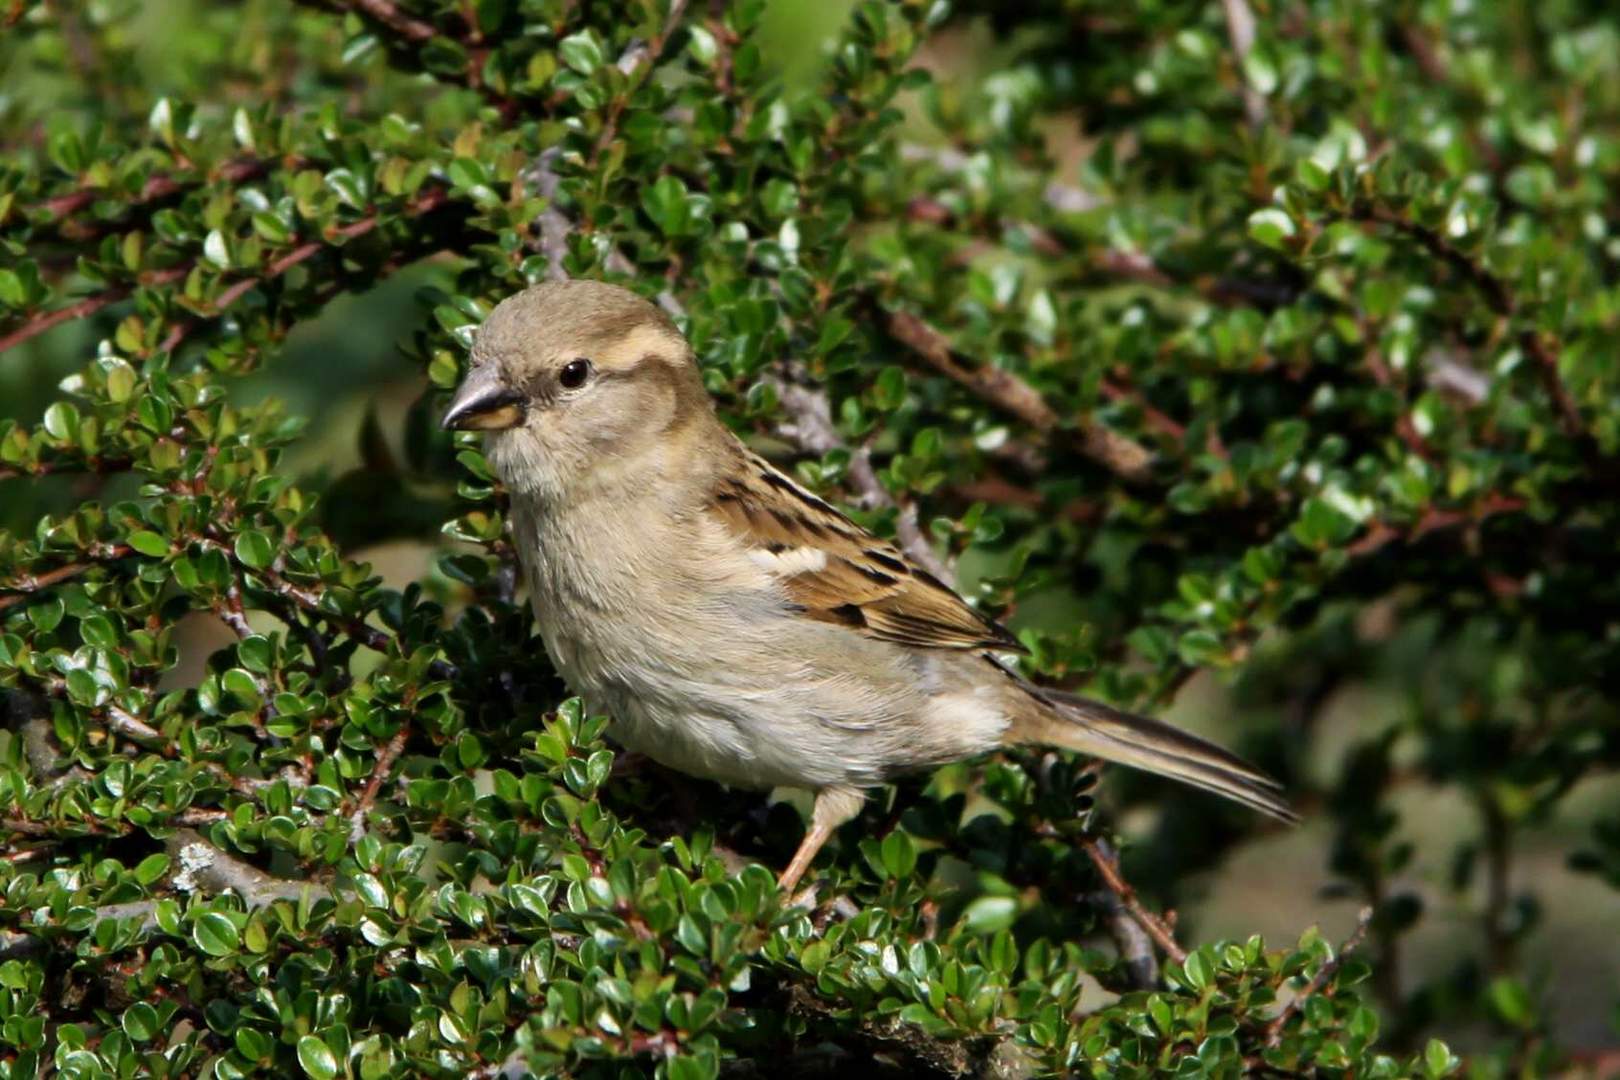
1295,372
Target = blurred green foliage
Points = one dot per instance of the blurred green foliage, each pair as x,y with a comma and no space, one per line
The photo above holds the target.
1274,344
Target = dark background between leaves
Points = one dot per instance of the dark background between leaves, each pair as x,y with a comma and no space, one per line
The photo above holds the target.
1256,362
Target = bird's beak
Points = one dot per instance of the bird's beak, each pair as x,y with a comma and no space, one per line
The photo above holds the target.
484,403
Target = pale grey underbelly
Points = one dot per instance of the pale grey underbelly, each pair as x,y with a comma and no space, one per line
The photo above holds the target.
760,714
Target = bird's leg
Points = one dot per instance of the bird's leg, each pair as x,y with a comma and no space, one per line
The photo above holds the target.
834,806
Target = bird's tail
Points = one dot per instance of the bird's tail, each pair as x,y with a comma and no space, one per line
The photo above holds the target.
1077,723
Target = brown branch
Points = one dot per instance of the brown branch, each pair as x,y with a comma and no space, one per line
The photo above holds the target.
1491,287
1498,888
379,775
1500,299
1125,458
98,465
88,306
1155,419
553,225
92,304
1552,383
22,587
304,252
198,866
301,254
231,612
1380,535
1130,939
388,13
133,727
1274,1029
156,188
637,61
1102,857
1405,429
359,629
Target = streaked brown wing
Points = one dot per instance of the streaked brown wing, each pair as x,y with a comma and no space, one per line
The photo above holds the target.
840,573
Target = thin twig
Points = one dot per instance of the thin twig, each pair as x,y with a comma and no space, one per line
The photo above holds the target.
1240,28
1274,1029
358,629
389,15
198,866
156,188
231,611
1103,858
1380,535
379,775
553,225
98,465
637,62
133,727
429,201
1498,888
1125,458
21,588
1500,299
1134,945
49,320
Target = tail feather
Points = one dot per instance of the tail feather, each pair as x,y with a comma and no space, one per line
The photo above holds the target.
1077,723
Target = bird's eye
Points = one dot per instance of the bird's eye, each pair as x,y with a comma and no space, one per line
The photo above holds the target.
574,373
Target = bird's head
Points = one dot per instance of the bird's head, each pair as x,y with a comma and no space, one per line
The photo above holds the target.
578,383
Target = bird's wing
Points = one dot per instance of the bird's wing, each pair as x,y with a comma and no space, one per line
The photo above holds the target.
838,572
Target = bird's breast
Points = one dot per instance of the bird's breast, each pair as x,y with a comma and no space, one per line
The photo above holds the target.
703,666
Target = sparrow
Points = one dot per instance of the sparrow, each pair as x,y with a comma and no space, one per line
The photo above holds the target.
731,624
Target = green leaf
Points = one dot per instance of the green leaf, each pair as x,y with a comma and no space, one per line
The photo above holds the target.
1197,970
1438,1059
215,249
148,542
120,380
899,855
666,203
215,934
151,868
1271,227
254,549
62,421
1511,1001
140,1022
317,1058
581,52
988,914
